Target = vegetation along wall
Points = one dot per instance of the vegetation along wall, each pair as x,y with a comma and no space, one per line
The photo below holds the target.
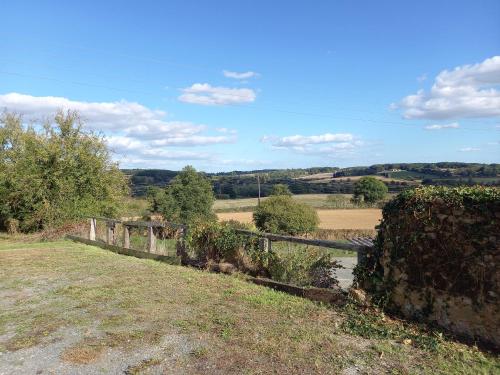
436,259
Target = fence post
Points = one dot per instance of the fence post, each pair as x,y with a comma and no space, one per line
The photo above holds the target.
362,250
264,244
110,233
126,237
151,239
92,229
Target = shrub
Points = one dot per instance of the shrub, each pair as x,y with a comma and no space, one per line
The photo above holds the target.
12,226
212,240
282,214
187,199
370,189
303,265
56,173
280,189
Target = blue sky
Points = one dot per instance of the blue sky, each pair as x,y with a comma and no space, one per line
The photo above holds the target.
226,85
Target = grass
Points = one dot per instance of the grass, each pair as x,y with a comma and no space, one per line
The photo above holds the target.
134,207
125,304
248,204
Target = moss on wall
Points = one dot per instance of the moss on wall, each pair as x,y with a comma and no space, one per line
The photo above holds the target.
437,258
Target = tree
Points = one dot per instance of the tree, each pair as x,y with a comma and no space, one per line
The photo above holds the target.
55,172
189,197
281,189
370,189
282,214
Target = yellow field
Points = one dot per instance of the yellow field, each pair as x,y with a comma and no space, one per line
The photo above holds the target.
314,200
364,218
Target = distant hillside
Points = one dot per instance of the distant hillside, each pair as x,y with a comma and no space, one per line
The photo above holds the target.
329,180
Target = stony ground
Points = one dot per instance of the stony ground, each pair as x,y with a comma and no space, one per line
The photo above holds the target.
67,308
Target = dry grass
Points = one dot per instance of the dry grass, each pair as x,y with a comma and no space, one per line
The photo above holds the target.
215,323
327,177
247,204
364,218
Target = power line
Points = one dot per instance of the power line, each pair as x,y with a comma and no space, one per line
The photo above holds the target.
310,114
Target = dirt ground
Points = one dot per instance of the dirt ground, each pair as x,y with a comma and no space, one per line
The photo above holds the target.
68,308
364,218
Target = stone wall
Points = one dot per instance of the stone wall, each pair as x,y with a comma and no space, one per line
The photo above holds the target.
437,258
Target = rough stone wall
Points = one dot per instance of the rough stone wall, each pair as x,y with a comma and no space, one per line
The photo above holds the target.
437,259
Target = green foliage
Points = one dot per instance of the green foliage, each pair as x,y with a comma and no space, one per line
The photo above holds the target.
212,240
370,189
302,265
188,198
54,173
459,196
282,214
374,325
281,189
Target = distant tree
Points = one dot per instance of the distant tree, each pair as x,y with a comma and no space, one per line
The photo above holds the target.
55,173
370,189
280,189
282,214
189,197
156,198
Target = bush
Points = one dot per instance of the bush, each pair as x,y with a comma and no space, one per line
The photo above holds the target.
56,173
280,189
282,214
303,265
212,240
370,189
188,198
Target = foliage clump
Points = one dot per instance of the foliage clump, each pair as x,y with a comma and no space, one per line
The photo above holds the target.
55,173
370,190
283,215
281,189
434,242
188,198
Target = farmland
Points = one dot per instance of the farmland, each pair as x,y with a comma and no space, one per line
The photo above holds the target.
365,218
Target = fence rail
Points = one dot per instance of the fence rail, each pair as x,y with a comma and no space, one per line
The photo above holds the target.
265,239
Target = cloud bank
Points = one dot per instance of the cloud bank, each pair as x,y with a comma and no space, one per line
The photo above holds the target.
132,130
468,91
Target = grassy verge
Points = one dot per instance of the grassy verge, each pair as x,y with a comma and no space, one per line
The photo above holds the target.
122,305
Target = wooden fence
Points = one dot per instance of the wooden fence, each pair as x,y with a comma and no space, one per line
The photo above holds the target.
265,239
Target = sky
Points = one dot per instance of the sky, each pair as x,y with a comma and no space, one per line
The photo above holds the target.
242,85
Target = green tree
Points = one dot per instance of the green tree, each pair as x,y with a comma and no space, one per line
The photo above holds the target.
189,197
55,173
282,214
280,189
370,189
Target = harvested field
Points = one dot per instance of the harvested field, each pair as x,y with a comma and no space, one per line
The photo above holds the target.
364,218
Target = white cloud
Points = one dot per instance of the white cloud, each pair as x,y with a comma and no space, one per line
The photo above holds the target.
469,149
325,144
132,130
205,94
196,140
301,140
470,91
453,125
243,75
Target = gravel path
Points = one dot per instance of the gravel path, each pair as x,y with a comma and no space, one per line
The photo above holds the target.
344,275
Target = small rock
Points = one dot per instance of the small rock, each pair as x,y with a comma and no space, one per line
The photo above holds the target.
359,296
